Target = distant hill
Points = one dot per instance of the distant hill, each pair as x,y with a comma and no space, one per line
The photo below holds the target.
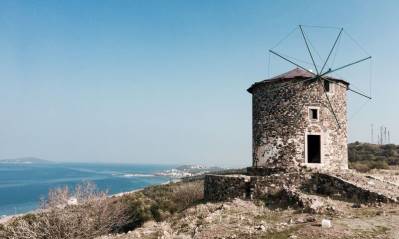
25,160
365,156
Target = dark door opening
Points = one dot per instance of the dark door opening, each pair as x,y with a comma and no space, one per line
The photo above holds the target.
314,146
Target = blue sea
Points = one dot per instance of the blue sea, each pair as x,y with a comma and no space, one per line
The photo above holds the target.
22,185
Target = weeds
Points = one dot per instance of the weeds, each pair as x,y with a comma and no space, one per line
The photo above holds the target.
92,213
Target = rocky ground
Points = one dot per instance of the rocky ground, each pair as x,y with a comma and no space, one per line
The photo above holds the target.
310,216
385,182
248,219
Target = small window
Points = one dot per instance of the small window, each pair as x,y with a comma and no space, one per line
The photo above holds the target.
327,86
314,114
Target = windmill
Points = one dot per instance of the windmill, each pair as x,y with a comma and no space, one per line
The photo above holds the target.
319,75
284,135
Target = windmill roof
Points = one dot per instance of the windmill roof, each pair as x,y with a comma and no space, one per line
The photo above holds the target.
296,73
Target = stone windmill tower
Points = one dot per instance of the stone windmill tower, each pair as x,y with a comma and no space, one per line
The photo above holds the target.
300,118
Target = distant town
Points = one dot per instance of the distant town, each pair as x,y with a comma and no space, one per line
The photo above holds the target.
187,171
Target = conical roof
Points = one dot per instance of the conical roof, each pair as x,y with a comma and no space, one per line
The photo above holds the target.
290,75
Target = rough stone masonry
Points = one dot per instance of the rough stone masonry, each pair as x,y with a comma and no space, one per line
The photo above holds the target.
286,109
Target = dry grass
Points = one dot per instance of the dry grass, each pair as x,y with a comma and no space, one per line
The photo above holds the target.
189,193
93,216
96,214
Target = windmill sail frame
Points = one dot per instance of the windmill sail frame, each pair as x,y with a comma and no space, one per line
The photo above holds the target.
319,76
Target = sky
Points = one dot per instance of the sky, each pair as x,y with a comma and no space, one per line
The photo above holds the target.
165,81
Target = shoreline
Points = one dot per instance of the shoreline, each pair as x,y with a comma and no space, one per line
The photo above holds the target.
7,218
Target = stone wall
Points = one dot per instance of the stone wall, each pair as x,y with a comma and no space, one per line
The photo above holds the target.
263,186
264,171
281,122
225,187
339,188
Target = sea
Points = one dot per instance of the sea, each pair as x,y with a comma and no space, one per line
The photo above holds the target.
23,185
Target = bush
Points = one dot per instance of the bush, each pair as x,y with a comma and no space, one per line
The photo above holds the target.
177,196
138,210
187,194
364,157
361,167
96,214
365,166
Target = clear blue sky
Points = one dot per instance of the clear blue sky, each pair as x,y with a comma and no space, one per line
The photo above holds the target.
164,81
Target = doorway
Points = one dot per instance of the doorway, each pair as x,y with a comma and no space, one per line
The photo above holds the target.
313,149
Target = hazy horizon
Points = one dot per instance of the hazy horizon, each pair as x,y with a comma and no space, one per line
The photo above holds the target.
164,82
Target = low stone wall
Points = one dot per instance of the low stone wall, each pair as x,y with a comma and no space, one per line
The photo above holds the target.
339,188
240,171
263,171
225,187
263,186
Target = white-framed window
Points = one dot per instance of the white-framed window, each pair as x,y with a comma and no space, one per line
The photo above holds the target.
314,113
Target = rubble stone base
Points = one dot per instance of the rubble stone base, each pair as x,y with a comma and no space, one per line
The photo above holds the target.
226,187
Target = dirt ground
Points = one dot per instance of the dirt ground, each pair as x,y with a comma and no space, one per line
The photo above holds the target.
247,219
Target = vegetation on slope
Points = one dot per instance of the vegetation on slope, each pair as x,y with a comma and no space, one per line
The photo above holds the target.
96,214
364,156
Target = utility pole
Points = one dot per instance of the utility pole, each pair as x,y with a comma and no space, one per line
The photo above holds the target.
372,133
378,139
385,135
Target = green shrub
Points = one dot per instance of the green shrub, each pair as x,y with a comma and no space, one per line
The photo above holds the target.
156,212
361,167
365,166
177,196
364,157
138,210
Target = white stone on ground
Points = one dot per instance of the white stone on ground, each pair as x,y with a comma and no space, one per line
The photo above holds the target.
325,223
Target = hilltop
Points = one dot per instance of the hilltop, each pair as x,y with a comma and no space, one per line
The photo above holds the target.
179,210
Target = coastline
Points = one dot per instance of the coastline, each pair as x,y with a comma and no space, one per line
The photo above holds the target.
170,176
23,185
7,218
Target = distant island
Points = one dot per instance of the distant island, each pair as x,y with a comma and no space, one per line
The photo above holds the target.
24,160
